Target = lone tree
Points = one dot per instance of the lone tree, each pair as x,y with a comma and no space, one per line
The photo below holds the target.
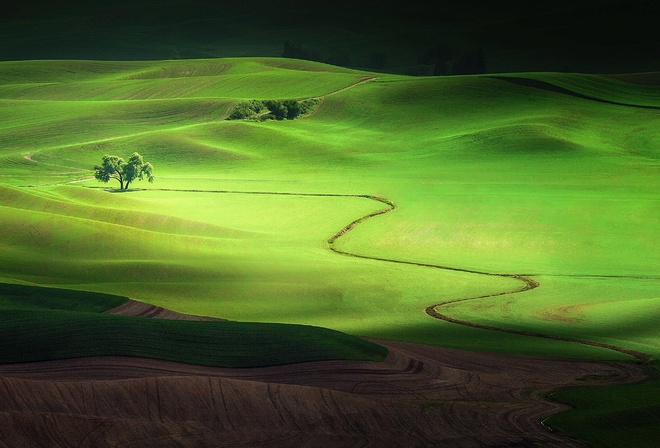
113,167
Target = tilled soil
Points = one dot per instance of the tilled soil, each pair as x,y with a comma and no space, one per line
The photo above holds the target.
420,396
141,309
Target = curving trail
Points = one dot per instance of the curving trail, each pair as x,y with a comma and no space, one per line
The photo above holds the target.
432,310
363,80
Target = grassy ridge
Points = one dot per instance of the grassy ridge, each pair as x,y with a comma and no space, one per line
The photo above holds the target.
605,88
40,324
49,335
259,78
257,270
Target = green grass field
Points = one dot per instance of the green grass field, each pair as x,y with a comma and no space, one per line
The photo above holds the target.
619,416
40,324
488,176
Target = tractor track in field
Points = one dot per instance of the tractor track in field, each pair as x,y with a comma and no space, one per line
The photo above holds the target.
433,310
364,80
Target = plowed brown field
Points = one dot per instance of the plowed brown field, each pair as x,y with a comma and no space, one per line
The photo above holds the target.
420,396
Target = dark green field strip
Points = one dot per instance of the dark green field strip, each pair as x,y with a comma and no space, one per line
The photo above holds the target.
41,324
50,335
607,417
24,297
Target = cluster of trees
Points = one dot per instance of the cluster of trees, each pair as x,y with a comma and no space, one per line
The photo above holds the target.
273,109
113,167
247,109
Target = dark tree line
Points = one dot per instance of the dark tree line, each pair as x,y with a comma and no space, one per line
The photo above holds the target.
445,61
438,60
294,50
472,63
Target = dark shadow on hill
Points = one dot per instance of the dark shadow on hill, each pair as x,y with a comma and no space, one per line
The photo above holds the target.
535,83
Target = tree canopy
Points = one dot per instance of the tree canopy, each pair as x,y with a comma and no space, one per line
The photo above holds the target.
273,109
113,167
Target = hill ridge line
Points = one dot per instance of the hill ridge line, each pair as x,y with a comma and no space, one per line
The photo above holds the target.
29,156
544,85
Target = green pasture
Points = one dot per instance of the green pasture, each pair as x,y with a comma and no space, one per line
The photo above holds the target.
488,176
611,417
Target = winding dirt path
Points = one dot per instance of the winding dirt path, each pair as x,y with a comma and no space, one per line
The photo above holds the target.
433,310
364,80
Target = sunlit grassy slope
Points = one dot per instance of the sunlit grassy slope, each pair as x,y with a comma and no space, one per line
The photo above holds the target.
487,176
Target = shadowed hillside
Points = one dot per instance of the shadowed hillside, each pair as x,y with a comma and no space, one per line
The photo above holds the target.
604,36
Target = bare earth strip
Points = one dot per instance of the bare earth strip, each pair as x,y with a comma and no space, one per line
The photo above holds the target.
135,308
420,396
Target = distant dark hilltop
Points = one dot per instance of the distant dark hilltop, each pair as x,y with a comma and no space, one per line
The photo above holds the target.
444,38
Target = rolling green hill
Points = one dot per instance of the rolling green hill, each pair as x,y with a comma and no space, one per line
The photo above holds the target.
483,180
488,176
